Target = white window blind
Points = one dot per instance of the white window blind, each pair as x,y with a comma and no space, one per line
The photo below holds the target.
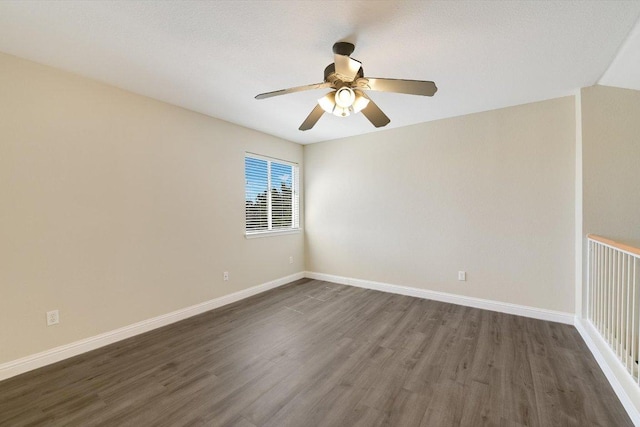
271,195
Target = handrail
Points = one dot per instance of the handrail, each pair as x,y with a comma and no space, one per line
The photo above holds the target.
629,249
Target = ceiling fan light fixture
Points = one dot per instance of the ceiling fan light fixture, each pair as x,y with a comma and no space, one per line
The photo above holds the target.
360,102
343,102
328,102
345,97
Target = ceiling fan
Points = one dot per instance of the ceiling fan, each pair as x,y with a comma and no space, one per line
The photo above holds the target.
346,77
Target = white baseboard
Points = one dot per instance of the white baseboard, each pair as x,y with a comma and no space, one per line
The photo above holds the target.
624,387
28,363
502,307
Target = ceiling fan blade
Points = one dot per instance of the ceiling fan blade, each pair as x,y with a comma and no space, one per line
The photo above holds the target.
346,67
375,114
312,118
411,87
293,90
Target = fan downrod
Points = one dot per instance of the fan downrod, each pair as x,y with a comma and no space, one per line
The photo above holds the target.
343,48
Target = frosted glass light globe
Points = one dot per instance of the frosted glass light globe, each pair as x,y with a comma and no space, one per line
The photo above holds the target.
345,97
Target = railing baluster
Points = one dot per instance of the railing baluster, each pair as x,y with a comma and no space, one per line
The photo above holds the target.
590,270
630,315
618,306
633,320
632,311
609,295
594,282
600,290
596,276
625,307
612,298
634,333
596,279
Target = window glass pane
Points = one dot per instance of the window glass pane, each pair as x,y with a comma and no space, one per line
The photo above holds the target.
256,194
281,195
271,195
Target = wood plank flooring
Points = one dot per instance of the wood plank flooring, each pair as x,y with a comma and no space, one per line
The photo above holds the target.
315,353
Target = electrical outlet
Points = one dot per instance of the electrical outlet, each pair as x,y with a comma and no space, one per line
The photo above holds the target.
225,275
290,260
462,275
53,317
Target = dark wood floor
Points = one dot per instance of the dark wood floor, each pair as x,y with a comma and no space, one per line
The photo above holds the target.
319,354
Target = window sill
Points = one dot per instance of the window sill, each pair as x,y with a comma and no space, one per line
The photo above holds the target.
259,234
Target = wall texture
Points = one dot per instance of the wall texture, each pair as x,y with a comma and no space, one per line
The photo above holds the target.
489,193
611,163
116,208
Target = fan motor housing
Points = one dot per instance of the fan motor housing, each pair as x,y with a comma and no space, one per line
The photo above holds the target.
330,71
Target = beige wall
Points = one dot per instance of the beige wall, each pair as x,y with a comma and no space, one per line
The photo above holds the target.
611,163
116,208
489,193
611,185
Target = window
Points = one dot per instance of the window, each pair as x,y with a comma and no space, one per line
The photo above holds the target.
271,195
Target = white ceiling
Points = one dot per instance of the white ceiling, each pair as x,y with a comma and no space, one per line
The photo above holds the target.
624,71
214,57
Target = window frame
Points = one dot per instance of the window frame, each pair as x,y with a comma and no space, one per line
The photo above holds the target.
295,198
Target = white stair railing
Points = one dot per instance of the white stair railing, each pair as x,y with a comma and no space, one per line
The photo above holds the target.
614,298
